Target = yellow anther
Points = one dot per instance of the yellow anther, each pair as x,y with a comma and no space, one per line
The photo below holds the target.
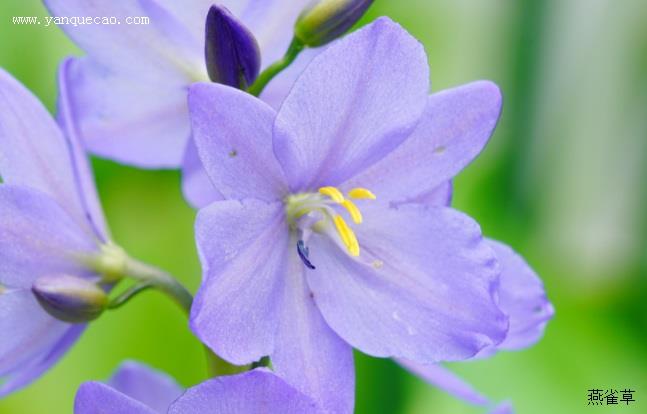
354,245
341,226
355,214
361,193
333,193
347,235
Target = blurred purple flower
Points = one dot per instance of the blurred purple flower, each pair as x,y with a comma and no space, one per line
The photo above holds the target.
128,95
138,389
49,217
412,281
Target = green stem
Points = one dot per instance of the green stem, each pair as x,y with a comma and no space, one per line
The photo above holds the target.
151,276
160,280
275,68
127,295
217,366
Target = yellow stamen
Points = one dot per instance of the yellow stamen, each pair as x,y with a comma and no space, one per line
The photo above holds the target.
341,226
355,214
333,193
361,193
347,235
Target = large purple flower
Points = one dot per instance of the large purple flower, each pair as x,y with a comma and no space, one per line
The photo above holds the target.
285,275
128,95
137,389
49,217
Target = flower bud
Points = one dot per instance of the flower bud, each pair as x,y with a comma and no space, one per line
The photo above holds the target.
326,20
70,298
231,51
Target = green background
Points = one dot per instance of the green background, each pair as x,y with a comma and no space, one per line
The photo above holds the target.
562,181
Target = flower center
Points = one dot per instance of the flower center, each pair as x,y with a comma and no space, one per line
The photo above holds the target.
319,212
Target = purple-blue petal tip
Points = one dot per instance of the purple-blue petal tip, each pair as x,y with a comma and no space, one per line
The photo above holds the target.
232,54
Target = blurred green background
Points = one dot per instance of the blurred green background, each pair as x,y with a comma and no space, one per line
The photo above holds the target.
562,181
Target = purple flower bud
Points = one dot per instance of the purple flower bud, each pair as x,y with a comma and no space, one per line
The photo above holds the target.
231,51
326,20
70,298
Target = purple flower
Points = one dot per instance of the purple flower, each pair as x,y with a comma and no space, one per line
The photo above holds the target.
137,389
49,218
128,95
407,279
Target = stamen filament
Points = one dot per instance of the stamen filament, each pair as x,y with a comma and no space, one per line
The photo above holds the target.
355,214
333,193
361,193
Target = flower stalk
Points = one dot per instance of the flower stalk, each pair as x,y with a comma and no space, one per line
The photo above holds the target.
160,280
277,67
149,276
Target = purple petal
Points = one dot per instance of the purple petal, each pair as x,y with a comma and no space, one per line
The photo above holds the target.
233,133
83,172
197,188
271,21
446,380
308,354
441,196
41,363
27,330
354,104
455,127
155,389
276,91
422,289
503,408
163,50
34,153
37,238
129,102
257,391
231,51
522,297
151,131
242,247
98,398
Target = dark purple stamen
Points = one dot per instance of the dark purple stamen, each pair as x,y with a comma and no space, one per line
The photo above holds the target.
304,252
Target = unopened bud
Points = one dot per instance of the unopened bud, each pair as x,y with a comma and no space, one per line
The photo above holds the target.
231,51
326,20
70,298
